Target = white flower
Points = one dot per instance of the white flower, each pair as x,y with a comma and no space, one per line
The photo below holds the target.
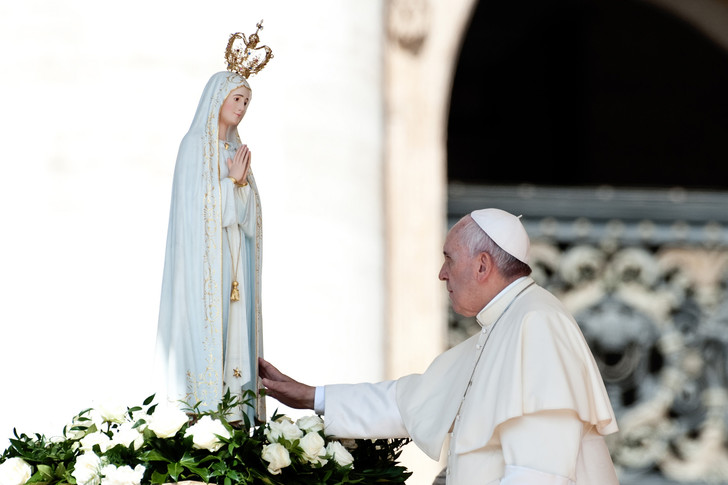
126,436
340,455
95,418
97,438
277,456
15,471
203,434
112,411
167,421
86,469
313,448
310,423
282,429
123,475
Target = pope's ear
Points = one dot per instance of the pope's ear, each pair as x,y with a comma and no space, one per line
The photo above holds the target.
485,265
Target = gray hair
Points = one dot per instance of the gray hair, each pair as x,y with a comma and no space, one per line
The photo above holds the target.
477,241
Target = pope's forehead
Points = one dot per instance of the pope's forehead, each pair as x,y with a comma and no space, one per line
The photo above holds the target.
456,229
453,239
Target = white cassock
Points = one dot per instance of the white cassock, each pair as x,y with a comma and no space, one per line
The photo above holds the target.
523,400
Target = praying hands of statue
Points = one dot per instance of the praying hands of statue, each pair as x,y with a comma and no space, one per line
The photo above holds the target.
239,165
288,391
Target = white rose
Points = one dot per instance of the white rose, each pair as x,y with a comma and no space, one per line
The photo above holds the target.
282,429
95,418
340,455
310,423
123,475
97,438
277,457
126,436
86,469
112,411
15,471
313,448
204,433
167,421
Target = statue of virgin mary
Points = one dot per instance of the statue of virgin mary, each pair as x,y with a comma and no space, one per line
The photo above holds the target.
210,331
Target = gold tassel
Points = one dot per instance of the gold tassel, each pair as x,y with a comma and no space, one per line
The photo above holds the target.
235,294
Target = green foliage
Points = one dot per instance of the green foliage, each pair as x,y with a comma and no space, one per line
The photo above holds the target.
49,458
238,460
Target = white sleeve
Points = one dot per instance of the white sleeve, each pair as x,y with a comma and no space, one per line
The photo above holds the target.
319,403
541,448
238,206
363,411
227,202
245,206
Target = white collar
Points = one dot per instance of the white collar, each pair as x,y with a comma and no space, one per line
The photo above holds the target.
494,308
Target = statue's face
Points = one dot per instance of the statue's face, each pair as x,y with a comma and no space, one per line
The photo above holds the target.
234,107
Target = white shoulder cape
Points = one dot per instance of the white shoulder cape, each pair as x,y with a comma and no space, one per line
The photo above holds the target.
535,359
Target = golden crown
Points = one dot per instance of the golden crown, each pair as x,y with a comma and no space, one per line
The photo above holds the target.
244,57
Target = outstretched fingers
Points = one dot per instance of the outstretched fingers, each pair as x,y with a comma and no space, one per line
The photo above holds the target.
269,371
281,387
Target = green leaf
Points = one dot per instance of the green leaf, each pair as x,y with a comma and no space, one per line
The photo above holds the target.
159,477
45,471
155,455
188,460
139,423
174,470
203,473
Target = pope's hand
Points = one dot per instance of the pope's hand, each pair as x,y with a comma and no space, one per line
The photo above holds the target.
288,391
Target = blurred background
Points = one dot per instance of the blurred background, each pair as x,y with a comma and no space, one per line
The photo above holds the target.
377,125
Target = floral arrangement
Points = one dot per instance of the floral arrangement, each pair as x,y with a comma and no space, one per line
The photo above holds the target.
155,444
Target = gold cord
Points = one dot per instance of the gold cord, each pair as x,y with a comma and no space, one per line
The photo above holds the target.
235,292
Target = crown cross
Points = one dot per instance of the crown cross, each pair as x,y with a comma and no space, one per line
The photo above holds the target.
247,59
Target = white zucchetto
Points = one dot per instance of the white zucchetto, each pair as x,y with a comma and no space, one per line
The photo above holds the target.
506,230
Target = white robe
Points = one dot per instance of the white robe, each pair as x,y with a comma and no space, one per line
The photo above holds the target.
207,344
523,400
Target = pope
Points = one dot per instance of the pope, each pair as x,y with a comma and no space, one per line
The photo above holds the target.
523,400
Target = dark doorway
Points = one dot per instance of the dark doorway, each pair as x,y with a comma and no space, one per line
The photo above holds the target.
587,93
